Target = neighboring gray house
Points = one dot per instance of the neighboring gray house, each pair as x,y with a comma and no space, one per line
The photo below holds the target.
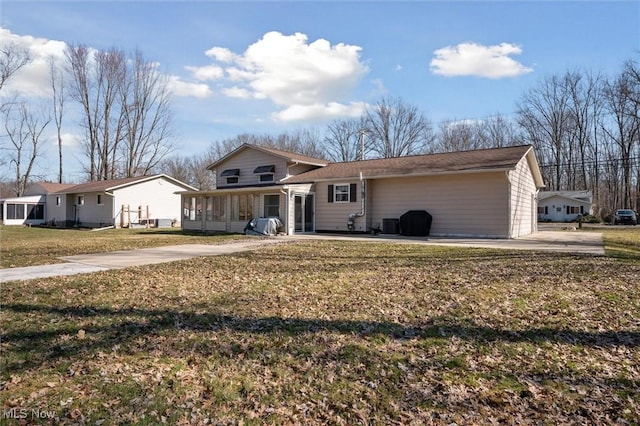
482,193
564,206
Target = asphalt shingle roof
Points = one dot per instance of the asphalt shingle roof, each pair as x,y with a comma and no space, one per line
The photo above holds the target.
51,187
483,159
289,156
101,185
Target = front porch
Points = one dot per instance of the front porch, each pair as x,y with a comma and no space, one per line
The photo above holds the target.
230,209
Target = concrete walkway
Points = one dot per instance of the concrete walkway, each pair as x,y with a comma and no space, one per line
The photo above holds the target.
88,263
560,241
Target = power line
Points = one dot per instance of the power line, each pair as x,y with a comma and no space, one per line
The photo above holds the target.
631,160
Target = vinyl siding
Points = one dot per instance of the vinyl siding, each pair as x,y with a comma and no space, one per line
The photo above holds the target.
461,205
333,216
94,215
524,211
247,161
53,213
299,189
159,194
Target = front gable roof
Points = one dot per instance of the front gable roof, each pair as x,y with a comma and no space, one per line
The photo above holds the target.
572,196
577,195
289,156
441,163
114,184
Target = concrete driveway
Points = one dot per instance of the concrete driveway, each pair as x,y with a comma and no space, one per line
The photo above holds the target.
560,241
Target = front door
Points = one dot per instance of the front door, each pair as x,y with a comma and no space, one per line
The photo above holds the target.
304,212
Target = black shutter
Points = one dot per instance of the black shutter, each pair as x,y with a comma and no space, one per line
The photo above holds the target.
353,191
330,191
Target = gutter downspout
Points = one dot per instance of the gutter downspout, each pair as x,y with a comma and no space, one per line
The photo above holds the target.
352,216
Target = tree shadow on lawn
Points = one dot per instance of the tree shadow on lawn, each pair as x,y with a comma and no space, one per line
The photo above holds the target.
126,325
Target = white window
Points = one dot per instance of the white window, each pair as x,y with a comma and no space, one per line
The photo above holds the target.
57,201
99,197
341,193
80,200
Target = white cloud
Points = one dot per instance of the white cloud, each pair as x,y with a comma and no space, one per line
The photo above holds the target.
332,110
33,78
472,59
206,73
237,92
221,54
306,79
183,88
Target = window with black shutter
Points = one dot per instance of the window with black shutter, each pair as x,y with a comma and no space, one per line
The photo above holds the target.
342,193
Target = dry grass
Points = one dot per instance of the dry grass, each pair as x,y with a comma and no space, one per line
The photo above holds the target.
24,246
331,332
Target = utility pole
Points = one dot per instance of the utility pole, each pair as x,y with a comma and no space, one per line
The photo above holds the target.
362,133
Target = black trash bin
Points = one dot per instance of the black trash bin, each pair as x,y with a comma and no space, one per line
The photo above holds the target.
390,226
415,223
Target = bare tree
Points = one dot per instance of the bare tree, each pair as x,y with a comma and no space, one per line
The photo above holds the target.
58,102
12,58
545,118
460,135
498,132
624,130
81,86
191,170
147,117
344,141
126,111
396,129
24,130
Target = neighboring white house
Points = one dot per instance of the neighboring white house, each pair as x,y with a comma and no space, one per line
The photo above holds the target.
481,193
118,202
564,206
29,209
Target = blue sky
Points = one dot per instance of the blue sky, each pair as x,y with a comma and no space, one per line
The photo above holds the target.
266,67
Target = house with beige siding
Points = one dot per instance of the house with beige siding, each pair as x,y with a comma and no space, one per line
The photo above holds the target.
490,193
